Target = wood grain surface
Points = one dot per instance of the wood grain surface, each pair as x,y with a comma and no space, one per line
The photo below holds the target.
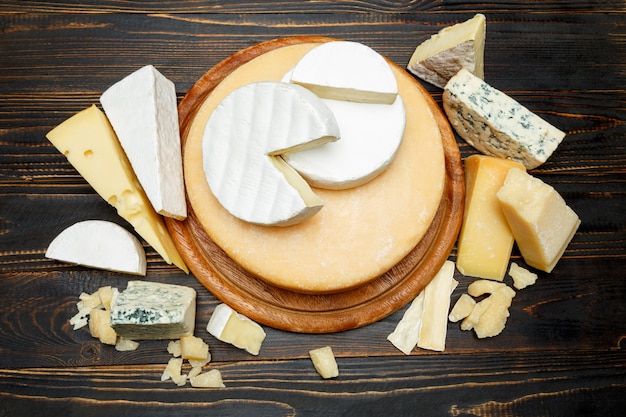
562,351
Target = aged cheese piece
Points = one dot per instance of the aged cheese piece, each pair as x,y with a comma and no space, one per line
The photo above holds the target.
522,277
90,145
242,144
441,56
333,243
324,362
541,221
142,110
100,326
151,310
231,327
433,329
462,308
494,316
497,125
344,70
193,348
99,244
209,379
485,241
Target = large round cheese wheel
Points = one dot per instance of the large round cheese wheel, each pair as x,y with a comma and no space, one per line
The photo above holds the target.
360,233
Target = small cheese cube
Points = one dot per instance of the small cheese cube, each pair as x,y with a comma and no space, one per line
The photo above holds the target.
324,362
193,348
151,310
485,241
542,223
231,327
522,277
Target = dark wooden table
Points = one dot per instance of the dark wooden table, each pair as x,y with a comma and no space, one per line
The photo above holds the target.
563,349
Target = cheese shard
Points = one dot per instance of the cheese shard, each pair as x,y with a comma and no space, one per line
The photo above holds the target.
241,147
344,70
433,330
541,221
496,124
324,362
462,308
522,277
143,112
89,143
231,327
154,311
439,58
99,244
485,241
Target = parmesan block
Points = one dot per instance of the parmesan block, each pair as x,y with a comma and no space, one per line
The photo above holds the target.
99,244
349,71
142,109
152,310
89,143
496,124
241,147
231,327
542,222
485,241
324,362
455,47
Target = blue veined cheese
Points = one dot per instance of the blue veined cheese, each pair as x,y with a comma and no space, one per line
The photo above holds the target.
151,310
497,125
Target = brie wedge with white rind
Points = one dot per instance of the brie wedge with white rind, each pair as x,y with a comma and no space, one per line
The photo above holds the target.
231,327
143,112
99,244
241,147
349,71
437,59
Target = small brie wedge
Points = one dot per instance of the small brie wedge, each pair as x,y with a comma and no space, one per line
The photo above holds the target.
99,244
231,327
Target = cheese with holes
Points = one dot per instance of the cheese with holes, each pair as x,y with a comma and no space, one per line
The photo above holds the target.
485,241
99,244
89,143
143,112
339,252
540,219
231,327
242,146
496,124
152,310
344,70
440,57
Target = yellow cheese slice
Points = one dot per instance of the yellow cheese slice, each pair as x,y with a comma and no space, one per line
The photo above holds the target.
361,232
89,143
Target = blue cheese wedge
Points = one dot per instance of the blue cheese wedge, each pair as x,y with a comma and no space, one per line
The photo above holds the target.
497,125
151,310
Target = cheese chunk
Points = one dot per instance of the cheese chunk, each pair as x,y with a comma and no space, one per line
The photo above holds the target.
142,110
485,241
462,308
522,277
209,379
241,148
459,46
497,125
348,71
542,222
231,327
152,310
90,145
99,244
324,362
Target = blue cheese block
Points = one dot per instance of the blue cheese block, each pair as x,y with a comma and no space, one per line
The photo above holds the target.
497,125
151,310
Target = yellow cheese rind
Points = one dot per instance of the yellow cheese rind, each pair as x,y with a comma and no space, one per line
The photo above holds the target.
485,241
89,143
540,219
340,253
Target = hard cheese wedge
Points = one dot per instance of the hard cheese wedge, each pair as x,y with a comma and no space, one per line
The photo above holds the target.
485,240
441,56
231,327
541,221
90,145
142,110
153,311
99,244
325,71
497,125
242,144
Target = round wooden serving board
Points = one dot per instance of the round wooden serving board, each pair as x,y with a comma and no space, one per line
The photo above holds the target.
317,313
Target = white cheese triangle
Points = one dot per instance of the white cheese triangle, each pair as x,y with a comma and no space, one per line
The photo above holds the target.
142,110
99,244
241,147
349,71
455,47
